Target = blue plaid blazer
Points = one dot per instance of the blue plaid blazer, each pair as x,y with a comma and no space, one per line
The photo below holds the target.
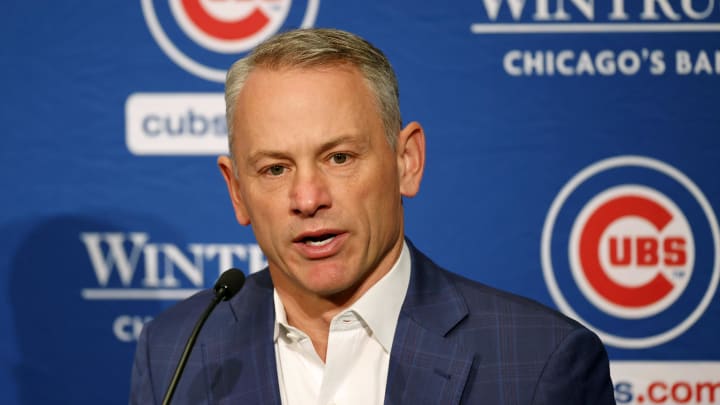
457,342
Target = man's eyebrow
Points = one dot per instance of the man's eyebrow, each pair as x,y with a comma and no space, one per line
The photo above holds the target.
266,154
330,144
343,139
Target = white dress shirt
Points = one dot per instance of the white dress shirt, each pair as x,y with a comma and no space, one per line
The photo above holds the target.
358,352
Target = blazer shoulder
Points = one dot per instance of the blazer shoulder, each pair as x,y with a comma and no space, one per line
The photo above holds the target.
483,300
182,316
553,358
236,329
455,303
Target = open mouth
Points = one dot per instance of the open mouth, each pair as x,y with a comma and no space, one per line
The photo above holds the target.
318,240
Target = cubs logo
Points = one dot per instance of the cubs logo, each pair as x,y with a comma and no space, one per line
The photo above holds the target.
629,248
205,36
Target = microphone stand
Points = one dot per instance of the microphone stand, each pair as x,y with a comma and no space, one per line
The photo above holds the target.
188,348
229,283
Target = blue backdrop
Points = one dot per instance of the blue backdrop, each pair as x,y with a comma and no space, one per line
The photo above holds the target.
572,157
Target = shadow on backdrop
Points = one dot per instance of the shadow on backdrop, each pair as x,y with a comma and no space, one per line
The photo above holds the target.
70,352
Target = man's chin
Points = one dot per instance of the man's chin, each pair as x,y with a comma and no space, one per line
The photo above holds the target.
339,295
330,289
335,287
318,278
337,290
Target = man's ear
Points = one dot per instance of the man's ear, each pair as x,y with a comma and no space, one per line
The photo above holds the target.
410,152
226,168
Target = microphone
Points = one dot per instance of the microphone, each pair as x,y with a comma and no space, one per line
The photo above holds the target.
229,283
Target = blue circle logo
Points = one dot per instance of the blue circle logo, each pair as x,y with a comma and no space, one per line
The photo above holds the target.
205,36
629,248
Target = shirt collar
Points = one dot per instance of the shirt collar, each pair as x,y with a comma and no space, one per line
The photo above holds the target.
379,307
280,316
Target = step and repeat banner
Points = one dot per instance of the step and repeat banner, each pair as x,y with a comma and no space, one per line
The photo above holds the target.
573,157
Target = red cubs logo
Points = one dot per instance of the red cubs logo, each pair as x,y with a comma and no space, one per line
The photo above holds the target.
205,36
632,251
230,26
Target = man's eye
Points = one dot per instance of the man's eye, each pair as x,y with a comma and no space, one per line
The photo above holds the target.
340,158
275,170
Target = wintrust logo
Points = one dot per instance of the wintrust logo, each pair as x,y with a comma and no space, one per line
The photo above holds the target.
584,57
629,248
128,266
587,16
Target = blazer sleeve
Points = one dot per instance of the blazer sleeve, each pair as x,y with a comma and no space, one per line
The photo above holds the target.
141,386
576,373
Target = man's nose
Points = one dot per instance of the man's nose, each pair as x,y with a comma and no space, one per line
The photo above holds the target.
310,193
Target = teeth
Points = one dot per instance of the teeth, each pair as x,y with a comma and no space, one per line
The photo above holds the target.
319,242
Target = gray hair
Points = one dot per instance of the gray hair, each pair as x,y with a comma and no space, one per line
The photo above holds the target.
314,47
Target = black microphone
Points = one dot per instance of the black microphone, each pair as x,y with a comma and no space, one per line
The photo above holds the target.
229,283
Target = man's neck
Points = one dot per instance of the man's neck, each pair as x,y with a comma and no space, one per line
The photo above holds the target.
313,313
314,320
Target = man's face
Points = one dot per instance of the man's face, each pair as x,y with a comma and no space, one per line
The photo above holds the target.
318,180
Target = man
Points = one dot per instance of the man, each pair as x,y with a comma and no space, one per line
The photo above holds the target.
348,311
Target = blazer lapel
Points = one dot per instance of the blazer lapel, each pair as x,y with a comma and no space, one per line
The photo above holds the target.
425,366
241,361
